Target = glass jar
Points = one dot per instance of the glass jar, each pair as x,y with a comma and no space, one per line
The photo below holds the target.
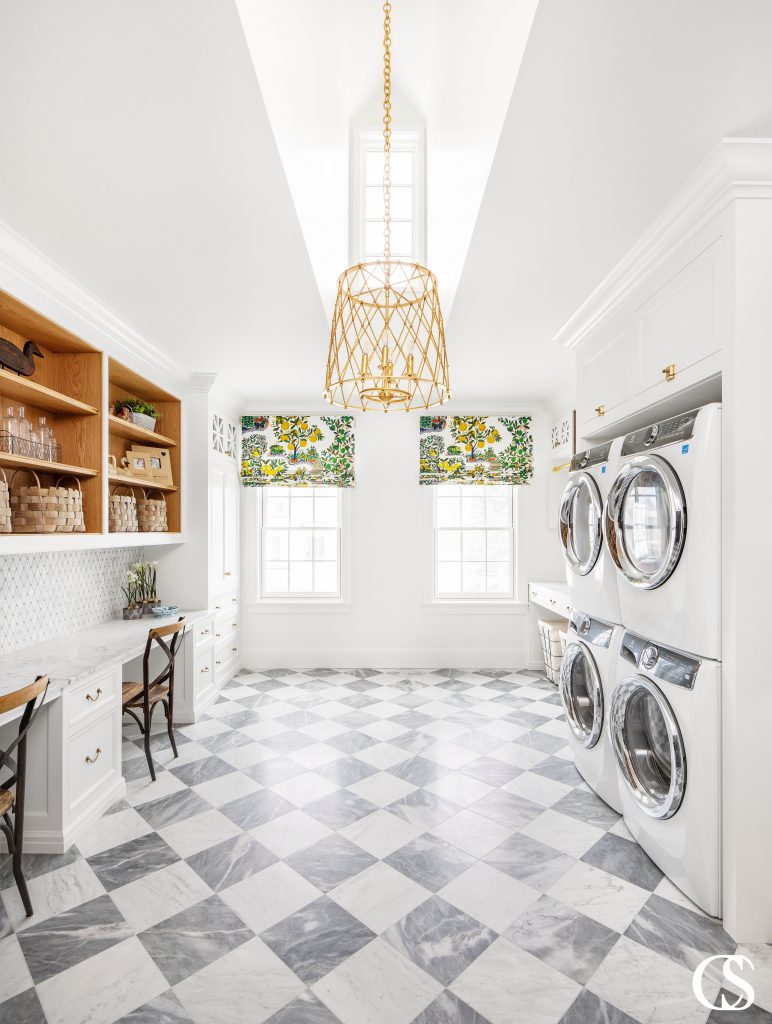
8,429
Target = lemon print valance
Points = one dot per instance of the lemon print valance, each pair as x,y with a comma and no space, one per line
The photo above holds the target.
297,451
476,450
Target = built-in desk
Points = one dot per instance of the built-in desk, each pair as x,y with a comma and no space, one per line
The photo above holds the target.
74,748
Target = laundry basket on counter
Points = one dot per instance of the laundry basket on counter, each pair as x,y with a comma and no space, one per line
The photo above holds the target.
552,633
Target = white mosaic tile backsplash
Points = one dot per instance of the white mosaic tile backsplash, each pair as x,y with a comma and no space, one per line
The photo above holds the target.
43,595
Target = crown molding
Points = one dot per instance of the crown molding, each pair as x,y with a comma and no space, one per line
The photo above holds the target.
739,168
30,276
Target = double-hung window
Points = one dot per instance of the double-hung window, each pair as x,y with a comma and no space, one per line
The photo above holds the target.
474,542
300,542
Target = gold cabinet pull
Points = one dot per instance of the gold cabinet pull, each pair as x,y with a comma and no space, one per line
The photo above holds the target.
228,573
600,410
669,372
95,758
235,600
218,663
204,632
98,695
217,636
234,649
205,668
217,608
234,625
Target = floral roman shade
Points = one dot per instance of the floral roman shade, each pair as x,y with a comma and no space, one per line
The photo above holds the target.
476,450
297,451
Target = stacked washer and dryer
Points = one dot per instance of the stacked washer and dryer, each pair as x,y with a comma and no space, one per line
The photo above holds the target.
641,680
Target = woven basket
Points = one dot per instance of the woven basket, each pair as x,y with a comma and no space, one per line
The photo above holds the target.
123,510
46,509
152,513
5,504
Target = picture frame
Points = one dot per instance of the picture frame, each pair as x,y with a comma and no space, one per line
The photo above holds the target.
151,464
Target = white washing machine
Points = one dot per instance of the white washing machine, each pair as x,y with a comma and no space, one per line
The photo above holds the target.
663,531
665,730
589,570
587,676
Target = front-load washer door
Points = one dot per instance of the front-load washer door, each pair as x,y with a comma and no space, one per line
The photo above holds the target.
648,746
581,531
582,694
646,521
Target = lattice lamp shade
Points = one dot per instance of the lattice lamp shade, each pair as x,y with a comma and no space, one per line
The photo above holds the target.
387,343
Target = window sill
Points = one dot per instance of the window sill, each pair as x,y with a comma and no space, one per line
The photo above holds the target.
451,607
299,607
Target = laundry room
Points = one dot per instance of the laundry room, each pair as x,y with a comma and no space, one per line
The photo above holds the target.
383,494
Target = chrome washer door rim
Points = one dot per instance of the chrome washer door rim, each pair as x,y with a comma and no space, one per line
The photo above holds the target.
580,566
574,651
614,525
629,755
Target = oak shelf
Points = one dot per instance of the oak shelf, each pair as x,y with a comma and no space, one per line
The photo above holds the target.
41,466
137,481
29,392
123,428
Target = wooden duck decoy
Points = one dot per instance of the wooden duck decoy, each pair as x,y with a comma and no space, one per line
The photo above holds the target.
20,362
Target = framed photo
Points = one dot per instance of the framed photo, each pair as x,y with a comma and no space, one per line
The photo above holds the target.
151,463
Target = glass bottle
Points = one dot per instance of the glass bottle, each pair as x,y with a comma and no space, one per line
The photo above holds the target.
45,438
23,431
8,429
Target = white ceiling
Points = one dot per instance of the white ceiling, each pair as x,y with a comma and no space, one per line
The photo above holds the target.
138,152
320,69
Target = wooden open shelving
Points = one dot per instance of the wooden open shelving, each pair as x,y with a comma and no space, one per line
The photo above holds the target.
68,388
65,388
122,428
125,383
11,461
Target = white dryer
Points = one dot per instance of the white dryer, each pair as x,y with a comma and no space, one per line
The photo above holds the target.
663,531
665,729
587,675
589,571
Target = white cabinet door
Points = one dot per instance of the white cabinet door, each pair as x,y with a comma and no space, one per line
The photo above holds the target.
677,325
217,478
231,520
607,375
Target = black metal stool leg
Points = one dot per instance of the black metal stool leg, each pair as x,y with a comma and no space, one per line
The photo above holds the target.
148,755
168,706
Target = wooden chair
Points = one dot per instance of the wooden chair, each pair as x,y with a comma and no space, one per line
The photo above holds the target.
147,694
10,801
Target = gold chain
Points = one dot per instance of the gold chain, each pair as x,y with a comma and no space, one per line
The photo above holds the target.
387,130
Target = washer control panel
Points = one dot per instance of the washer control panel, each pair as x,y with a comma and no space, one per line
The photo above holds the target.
677,428
660,662
591,457
592,631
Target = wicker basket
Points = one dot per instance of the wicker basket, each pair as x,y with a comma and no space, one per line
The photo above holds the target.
5,504
552,648
123,510
46,509
152,513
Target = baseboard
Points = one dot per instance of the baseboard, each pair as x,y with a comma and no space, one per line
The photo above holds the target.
388,658
51,841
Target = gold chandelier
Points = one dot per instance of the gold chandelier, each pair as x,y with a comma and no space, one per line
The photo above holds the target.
387,342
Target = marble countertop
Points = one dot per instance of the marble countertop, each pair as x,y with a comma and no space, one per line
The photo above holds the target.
76,656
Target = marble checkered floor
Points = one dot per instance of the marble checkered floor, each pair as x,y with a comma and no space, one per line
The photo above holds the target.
359,848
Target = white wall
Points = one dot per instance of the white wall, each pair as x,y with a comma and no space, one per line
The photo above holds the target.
388,622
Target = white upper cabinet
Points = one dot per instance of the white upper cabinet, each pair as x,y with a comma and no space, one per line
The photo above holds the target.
231,501
217,478
607,374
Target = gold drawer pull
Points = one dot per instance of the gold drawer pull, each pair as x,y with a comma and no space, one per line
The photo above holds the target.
228,573
234,625
235,600
95,758
600,410
218,663
98,695
217,607
217,636
669,372
205,668
204,632
234,649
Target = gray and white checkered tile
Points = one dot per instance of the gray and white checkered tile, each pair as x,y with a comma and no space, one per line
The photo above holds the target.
361,847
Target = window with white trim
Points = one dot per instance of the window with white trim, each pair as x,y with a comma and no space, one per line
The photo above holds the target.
474,542
407,198
300,542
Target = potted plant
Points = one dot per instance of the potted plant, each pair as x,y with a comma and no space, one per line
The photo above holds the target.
146,573
142,414
133,609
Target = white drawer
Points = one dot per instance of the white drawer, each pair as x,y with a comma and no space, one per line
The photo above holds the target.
203,667
92,698
226,652
93,758
226,626
203,632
